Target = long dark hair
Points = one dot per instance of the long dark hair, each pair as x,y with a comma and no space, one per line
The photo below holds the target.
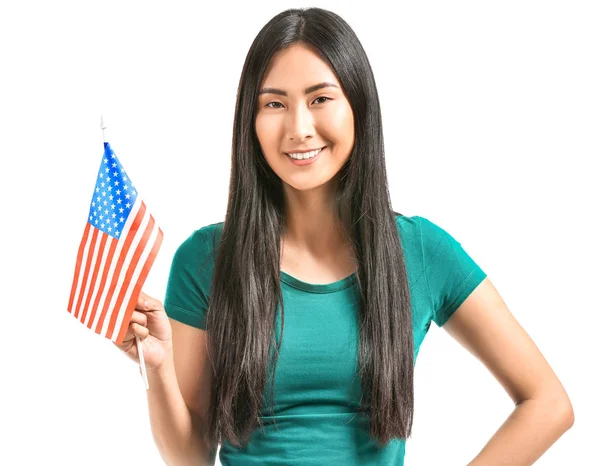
245,290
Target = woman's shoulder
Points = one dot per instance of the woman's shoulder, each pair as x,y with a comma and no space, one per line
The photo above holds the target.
202,240
405,220
408,225
419,233
419,225
212,231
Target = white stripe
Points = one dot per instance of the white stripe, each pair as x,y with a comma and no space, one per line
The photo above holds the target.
134,279
113,264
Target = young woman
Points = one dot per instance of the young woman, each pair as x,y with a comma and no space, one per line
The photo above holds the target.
290,331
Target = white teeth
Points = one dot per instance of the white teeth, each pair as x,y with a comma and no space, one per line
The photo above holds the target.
305,155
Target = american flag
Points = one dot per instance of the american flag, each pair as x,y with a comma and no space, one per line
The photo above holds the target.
119,244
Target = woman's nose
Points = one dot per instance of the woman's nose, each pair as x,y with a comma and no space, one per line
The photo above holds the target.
300,123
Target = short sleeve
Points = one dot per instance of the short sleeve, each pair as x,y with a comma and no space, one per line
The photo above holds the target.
188,286
450,271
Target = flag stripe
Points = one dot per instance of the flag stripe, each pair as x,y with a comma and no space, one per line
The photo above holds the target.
99,254
124,273
131,266
88,262
116,266
105,271
81,266
138,286
76,276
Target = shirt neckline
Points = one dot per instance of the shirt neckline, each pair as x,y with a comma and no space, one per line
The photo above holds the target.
318,287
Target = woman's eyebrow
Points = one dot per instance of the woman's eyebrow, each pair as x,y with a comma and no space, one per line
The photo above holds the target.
308,90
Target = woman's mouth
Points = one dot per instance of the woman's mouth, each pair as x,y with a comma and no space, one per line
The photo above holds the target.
312,157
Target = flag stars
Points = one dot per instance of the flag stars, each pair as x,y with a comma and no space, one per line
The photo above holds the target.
113,198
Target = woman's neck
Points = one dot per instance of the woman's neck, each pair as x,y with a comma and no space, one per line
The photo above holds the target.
311,224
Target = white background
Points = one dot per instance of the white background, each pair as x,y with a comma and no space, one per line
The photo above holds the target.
491,117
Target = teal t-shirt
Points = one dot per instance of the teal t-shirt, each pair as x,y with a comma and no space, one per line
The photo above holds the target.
317,387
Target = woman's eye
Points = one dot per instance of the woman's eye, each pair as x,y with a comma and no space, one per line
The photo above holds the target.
279,103
322,98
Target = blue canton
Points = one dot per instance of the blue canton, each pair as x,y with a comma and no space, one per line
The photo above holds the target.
114,196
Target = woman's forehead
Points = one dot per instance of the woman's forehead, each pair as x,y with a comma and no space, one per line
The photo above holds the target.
296,69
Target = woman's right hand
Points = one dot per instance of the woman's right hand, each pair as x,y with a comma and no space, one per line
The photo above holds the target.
150,322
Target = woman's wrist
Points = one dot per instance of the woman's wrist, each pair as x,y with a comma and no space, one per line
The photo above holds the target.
166,367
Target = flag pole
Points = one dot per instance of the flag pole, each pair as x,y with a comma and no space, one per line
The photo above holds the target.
137,339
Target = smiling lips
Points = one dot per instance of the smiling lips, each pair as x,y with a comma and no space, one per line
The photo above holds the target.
307,161
304,154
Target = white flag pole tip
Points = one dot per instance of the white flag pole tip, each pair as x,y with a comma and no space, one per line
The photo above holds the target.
103,127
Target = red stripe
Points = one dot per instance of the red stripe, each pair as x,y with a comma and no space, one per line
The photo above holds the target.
86,231
138,286
128,275
88,264
115,278
111,253
86,306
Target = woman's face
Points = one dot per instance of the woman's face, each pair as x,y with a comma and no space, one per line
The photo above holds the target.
300,121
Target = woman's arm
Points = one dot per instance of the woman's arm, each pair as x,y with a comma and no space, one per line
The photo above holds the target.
543,412
529,431
177,431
